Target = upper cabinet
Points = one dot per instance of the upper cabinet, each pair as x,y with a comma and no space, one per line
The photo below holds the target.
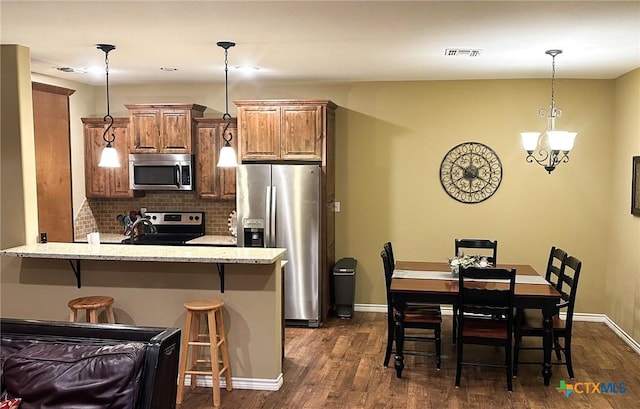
106,182
163,128
213,182
283,130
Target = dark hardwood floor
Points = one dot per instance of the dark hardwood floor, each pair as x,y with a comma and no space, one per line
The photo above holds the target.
340,366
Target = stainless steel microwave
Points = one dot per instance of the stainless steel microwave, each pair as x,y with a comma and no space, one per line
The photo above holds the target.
161,171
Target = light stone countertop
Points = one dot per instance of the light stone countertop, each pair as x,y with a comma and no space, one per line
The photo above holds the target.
212,240
111,238
180,254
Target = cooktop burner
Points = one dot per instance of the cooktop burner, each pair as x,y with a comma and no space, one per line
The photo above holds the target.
173,228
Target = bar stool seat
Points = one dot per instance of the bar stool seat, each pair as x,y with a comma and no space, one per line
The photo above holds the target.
214,340
91,304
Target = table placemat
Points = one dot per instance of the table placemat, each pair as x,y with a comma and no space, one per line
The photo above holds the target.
446,275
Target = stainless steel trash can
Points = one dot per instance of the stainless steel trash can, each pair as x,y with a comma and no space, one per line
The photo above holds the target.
344,286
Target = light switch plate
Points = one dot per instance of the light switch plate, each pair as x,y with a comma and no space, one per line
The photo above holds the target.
336,207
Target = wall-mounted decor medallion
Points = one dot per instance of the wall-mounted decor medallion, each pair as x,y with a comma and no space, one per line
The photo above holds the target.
470,172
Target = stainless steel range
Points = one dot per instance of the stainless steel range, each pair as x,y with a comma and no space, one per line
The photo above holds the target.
167,228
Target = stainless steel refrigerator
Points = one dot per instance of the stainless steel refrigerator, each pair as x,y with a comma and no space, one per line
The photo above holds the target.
280,206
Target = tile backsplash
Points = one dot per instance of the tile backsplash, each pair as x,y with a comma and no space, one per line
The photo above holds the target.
100,214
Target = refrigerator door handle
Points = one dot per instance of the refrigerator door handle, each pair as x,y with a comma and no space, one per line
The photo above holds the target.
274,208
267,218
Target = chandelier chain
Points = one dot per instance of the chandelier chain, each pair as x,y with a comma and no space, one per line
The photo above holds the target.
109,139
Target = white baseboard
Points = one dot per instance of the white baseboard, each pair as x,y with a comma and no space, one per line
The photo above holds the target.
239,383
584,317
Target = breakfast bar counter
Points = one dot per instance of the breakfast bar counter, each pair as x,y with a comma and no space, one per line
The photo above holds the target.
150,285
181,254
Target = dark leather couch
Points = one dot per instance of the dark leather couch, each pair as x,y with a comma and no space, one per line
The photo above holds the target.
77,365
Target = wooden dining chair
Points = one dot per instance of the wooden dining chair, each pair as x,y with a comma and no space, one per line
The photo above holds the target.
556,259
413,316
388,247
479,246
487,299
529,323
485,247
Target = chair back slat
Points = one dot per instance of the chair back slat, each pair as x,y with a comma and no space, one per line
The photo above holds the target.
557,257
389,249
569,278
481,297
478,244
388,273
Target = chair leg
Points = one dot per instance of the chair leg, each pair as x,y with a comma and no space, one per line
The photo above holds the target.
390,332
224,350
196,352
509,366
214,354
516,354
455,324
184,352
557,347
438,347
458,362
567,356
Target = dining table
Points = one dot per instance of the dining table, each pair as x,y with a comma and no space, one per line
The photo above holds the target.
433,282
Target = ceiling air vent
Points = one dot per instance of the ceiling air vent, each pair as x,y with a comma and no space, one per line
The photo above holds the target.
462,52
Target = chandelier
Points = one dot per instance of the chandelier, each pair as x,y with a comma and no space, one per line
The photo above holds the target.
228,157
109,157
551,147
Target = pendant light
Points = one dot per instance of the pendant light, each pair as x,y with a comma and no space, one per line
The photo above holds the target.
551,147
109,157
228,158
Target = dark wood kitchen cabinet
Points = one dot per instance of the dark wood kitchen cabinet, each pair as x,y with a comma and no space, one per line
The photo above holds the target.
106,182
163,128
213,182
283,130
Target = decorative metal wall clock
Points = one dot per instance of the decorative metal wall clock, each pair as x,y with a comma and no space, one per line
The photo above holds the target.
470,172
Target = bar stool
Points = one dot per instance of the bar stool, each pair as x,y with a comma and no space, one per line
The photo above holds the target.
214,339
91,304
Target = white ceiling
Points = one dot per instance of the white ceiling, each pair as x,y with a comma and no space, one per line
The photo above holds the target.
325,41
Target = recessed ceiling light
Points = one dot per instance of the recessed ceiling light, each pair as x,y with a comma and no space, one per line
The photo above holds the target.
462,52
71,69
168,69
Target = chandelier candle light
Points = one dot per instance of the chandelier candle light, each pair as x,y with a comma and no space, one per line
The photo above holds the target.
109,157
228,157
552,147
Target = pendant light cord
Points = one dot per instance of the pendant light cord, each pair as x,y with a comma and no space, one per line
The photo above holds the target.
226,116
107,118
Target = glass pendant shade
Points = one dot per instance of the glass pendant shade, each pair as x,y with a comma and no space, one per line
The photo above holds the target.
561,140
109,157
228,157
529,140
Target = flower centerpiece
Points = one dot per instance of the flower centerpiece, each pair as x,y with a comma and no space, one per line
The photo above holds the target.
465,261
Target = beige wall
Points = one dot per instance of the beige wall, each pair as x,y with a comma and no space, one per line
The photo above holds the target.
623,236
391,138
395,136
18,210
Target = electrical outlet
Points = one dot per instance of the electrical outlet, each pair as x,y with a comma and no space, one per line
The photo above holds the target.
336,207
